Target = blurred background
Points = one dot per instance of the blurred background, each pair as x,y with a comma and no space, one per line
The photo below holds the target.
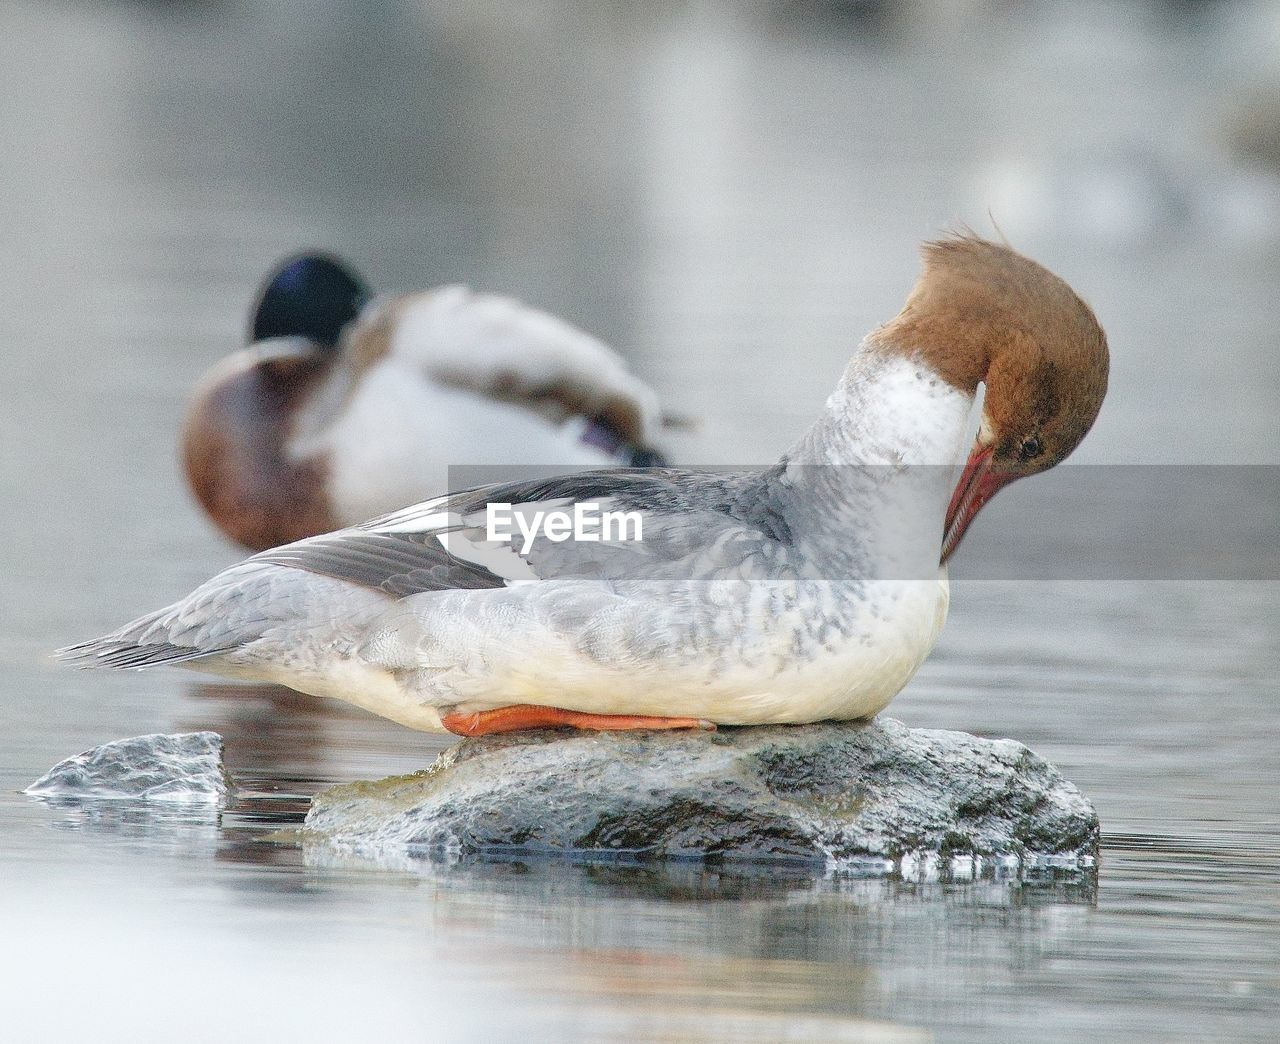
732,194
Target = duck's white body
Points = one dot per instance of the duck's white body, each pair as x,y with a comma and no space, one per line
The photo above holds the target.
463,379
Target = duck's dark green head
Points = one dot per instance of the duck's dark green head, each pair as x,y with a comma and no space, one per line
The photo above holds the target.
309,295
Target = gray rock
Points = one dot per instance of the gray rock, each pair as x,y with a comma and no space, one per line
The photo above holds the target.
184,767
868,797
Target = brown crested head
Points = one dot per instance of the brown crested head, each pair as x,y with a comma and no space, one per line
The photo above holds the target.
982,313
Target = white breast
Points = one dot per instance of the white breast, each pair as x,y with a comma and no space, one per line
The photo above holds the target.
481,650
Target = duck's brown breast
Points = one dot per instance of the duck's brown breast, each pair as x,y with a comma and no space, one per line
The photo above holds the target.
234,450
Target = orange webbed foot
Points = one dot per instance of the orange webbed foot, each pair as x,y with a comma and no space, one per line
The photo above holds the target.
530,716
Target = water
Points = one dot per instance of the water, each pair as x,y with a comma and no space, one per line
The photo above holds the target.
731,195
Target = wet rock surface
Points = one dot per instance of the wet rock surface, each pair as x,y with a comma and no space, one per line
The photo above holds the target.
183,767
874,796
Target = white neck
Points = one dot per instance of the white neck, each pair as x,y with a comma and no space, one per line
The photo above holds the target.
888,409
881,458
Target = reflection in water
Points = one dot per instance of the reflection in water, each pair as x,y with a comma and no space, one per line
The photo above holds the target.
133,818
281,734
749,942
753,953
674,881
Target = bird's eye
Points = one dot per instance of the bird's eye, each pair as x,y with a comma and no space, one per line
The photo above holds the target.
1031,448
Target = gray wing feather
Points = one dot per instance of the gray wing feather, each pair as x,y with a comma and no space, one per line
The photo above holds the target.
397,564
681,508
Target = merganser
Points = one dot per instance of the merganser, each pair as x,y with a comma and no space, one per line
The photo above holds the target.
811,590
345,406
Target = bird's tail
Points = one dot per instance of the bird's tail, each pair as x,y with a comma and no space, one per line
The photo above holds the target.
142,643
222,615
123,655
240,623
601,434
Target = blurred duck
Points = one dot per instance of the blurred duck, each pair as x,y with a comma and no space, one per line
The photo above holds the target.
807,591
347,406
